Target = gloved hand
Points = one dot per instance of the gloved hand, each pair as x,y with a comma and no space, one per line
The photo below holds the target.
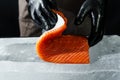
41,13
94,8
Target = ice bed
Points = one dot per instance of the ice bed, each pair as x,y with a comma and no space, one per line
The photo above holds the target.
19,61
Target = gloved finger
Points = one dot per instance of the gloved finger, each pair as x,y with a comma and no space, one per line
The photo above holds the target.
81,14
40,20
49,16
47,11
100,32
95,27
47,21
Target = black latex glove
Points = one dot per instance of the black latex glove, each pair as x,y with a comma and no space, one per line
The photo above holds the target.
42,14
94,8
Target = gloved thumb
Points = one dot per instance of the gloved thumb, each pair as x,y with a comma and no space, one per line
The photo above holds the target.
81,15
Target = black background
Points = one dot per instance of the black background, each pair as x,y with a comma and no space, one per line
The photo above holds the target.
9,18
112,22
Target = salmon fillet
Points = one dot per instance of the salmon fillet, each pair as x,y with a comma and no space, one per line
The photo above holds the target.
53,46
